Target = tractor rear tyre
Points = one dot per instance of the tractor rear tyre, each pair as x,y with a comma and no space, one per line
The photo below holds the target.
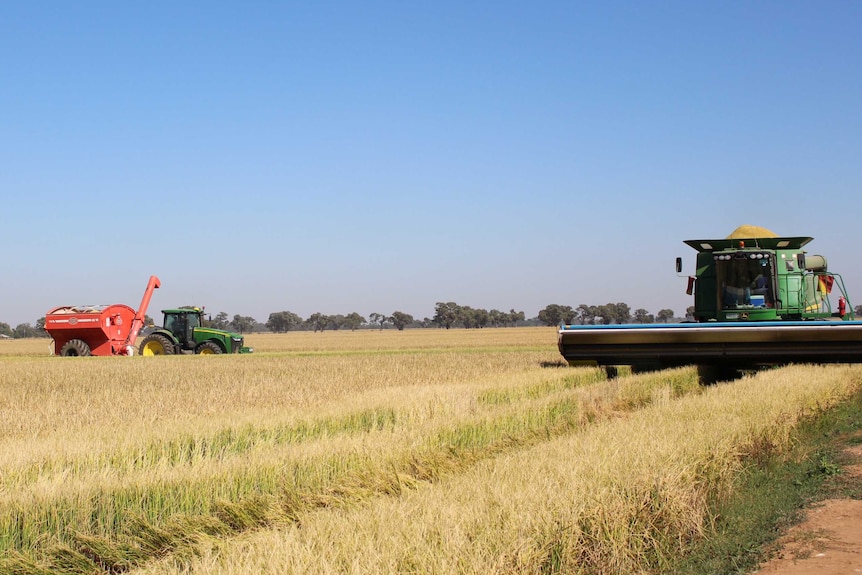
75,348
208,348
156,344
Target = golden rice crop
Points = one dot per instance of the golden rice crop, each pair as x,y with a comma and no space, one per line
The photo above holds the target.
25,347
619,497
89,444
109,464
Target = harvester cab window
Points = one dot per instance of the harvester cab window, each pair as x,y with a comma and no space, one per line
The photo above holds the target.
746,280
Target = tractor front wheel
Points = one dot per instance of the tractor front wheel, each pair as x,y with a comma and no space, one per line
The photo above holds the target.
75,348
156,344
208,348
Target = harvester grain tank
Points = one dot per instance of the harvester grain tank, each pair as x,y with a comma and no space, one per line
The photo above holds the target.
84,330
759,300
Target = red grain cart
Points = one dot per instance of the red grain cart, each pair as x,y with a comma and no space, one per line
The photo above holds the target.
98,330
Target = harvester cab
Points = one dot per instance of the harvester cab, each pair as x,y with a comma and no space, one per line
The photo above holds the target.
184,332
763,279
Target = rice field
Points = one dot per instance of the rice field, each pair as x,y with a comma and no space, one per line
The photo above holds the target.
422,451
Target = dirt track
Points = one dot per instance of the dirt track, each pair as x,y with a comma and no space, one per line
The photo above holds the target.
829,539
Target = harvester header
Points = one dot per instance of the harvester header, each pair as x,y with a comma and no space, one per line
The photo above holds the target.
759,300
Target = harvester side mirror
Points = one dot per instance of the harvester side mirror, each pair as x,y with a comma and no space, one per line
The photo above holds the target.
678,265
800,261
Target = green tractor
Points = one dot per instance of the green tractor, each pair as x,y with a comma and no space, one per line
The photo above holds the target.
184,332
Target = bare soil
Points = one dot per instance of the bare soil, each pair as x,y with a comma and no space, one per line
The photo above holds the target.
829,539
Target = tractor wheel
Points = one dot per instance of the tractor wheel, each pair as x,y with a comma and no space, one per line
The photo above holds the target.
208,348
75,348
157,344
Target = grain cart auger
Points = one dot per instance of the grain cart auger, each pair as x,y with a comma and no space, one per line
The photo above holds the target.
81,330
759,300
184,332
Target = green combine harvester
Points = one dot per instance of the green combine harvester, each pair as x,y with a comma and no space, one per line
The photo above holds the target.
759,300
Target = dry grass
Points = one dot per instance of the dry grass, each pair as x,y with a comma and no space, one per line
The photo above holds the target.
87,444
538,339
624,496
25,347
395,444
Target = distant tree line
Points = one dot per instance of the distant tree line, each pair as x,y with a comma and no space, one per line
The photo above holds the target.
446,316
23,330
449,314
556,314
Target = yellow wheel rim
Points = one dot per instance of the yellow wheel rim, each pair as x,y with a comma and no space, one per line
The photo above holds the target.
153,348
207,351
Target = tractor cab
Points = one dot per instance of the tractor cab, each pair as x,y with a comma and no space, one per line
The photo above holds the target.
182,323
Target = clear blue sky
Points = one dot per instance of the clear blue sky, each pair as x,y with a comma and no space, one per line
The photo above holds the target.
379,156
